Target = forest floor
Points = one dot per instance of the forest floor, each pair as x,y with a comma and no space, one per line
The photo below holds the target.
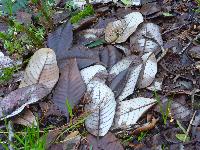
100,76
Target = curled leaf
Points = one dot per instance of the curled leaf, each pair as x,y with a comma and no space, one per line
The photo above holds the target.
42,68
102,106
129,88
17,100
149,71
120,30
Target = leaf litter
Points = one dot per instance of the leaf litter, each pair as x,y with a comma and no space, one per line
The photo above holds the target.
108,68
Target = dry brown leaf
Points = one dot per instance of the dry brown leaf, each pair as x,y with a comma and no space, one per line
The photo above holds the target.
42,68
17,100
26,119
120,30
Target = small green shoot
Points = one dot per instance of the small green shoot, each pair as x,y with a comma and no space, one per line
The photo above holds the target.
69,108
183,136
6,74
141,136
165,113
87,11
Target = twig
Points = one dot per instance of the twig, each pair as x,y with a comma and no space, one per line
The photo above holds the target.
188,45
176,28
10,135
189,127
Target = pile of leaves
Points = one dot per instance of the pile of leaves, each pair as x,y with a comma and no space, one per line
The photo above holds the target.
113,77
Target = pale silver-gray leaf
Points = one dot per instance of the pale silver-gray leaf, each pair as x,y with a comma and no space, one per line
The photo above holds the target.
102,108
128,112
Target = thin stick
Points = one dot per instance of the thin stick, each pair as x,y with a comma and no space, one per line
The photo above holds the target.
176,28
189,127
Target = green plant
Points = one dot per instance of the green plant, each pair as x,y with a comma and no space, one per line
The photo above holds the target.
183,136
165,113
69,108
30,138
141,136
6,74
20,37
87,11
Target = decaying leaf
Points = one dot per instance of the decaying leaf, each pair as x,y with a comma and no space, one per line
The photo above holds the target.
61,40
194,52
149,70
120,30
128,112
132,79
108,142
89,72
180,111
70,87
42,68
102,106
17,100
142,44
26,119
150,9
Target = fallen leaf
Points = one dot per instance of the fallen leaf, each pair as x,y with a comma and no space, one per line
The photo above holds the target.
150,9
102,108
61,39
128,112
142,44
108,142
180,111
120,30
110,56
89,72
69,143
17,100
70,87
124,64
119,82
194,52
26,119
132,79
42,68
85,57
149,70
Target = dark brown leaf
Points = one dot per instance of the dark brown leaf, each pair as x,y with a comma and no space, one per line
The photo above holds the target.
119,82
17,100
70,86
150,9
61,39
84,57
108,142
110,56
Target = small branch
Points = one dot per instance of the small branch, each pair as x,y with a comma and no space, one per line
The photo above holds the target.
189,127
176,28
